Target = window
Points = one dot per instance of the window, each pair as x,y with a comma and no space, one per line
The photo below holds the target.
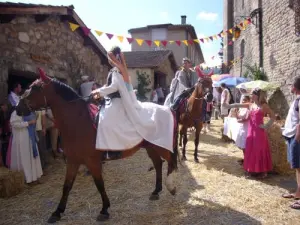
159,34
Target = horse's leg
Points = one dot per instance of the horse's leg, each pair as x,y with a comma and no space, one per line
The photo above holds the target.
95,168
157,162
167,155
180,135
185,140
198,127
180,140
72,169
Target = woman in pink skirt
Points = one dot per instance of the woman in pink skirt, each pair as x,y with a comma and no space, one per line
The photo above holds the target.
257,159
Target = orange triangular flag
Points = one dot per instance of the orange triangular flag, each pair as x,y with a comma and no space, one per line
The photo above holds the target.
230,30
171,42
196,40
206,39
99,32
215,36
73,26
121,38
185,42
139,41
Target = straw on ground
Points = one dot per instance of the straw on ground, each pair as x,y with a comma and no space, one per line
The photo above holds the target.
212,192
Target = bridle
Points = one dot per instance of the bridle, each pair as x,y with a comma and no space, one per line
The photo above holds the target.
203,93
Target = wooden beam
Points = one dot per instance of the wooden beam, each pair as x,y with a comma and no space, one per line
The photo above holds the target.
41,18
34,10
7,18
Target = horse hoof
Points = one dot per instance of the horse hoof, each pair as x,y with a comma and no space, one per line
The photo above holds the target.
154,197
183,158
53,219
102,217
196,160
173,192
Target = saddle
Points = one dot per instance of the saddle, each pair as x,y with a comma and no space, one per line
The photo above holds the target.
94,111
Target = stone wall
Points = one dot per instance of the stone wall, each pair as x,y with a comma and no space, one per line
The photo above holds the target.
281,58
166,68
281,55
25,44
249,37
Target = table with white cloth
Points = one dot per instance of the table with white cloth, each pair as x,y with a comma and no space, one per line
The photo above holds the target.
231,128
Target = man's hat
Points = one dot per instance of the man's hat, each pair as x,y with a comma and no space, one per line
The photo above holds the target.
84,78
185,59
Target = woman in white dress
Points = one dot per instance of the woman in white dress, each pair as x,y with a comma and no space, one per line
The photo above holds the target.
125,122
242,119
24,150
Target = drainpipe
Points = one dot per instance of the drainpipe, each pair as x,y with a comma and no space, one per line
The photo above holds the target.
260,34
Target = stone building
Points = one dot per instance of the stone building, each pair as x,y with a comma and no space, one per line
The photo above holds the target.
163,32
160,67
271,42
34,36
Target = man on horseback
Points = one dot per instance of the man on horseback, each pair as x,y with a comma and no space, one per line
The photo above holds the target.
181,85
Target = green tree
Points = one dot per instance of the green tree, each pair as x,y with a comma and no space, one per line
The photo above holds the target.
144,81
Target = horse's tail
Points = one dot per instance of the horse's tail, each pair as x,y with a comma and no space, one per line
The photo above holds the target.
175,155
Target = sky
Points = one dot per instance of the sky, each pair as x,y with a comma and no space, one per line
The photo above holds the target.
118,16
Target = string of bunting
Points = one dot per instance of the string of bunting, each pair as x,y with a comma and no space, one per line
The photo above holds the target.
242,26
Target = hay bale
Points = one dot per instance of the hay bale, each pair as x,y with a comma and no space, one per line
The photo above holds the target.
278,148
11,182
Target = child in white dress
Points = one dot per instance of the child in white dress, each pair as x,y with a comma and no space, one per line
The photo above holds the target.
242,119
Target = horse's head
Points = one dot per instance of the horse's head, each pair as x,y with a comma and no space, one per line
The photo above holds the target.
202,87
36,96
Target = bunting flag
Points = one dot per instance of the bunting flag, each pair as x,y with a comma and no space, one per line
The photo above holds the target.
185,42
149,43
130,40
164,43
121,38
139,41
242,25
157,43
109,36
73,26
178,43
86,30
99,32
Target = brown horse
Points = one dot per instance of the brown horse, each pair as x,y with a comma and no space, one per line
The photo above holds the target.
191,115
79,139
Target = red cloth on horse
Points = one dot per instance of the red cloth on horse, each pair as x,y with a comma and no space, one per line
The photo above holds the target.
203,75
93,110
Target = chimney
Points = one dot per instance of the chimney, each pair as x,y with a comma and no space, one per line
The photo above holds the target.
183,19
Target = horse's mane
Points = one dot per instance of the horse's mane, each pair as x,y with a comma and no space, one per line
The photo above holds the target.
65,91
